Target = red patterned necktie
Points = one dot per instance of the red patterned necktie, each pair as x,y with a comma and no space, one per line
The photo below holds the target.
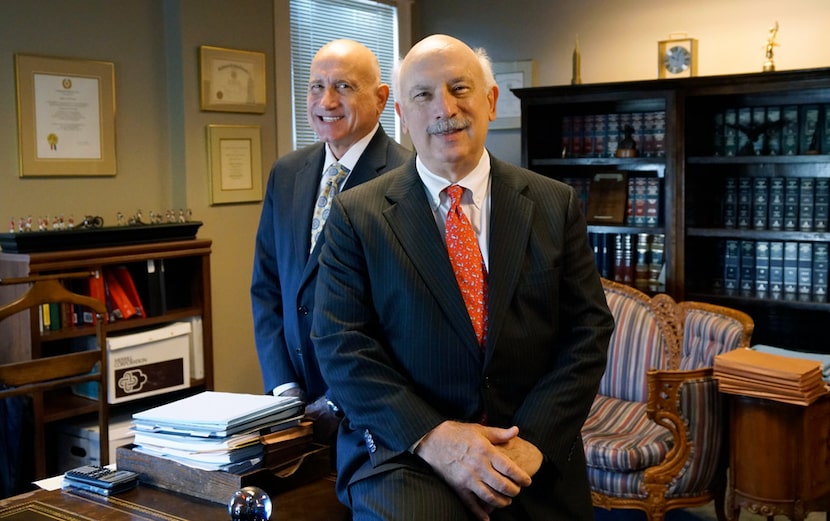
467,263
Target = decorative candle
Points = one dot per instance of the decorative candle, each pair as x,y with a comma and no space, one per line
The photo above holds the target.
577,64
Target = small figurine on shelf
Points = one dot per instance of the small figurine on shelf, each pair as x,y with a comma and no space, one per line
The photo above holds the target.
28,226
627,146
11,226
71,222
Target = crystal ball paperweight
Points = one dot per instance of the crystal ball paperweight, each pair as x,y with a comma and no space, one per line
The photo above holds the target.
250,504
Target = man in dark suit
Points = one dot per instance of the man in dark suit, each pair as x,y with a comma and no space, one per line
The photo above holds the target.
345,100
443,419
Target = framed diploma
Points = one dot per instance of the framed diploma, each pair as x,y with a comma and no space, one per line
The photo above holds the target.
66,116
510,75
232,80
235,160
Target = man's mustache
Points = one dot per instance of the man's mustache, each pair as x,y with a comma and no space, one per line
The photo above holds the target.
447,125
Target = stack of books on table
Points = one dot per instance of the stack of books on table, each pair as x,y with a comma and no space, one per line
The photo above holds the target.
215,430
788,379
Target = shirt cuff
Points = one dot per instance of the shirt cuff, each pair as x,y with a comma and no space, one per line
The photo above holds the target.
278,390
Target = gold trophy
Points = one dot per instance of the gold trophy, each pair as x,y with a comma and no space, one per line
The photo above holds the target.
769,65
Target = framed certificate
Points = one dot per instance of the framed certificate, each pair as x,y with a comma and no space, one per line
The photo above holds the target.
232,80
235,160
510,75
66,116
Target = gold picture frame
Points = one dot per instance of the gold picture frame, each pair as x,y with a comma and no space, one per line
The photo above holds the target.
511,75
235,163
232,80
65,116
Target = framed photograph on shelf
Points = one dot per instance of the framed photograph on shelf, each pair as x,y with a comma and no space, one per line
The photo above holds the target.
66,116
232,80
235,164
511,75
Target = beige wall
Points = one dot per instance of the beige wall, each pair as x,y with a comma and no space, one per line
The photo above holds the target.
618,39
160,130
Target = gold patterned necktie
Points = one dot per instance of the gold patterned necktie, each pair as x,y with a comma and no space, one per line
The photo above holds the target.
334,176
467,263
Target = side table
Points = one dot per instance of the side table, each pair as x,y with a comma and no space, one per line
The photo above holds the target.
779,457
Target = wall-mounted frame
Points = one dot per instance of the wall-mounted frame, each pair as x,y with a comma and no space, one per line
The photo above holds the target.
65,116
232,80
511,75
235,163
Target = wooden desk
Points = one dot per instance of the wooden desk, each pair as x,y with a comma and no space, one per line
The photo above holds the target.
312,502
779,457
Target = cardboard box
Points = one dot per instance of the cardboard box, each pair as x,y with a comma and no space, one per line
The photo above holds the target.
147,363
78,442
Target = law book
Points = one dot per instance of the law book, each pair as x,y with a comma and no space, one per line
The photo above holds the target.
744,203
805,270
613,134
759,118
821,204
776,204
808,130
121,305
600,133
125,280
744,121
656,273
790,267
577,131
791,203
762,267
730,202
806,195
773,134
659,118
789,130
776,268
652,202
760,202
820,271
747,266
732,264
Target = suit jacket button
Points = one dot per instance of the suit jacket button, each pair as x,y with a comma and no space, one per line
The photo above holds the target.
303,310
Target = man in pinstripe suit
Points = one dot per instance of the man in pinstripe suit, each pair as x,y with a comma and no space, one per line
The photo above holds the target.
436,425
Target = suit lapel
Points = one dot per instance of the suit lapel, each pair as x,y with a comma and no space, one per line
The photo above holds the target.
306,185
510,223
411,220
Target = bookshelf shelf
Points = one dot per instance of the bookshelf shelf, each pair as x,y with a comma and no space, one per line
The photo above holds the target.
749,131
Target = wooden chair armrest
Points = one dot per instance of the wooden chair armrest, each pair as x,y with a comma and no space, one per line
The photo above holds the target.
663,408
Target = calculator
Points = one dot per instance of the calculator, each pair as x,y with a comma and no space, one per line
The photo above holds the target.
100,480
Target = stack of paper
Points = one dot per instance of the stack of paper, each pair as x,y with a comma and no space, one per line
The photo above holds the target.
754,373
214,430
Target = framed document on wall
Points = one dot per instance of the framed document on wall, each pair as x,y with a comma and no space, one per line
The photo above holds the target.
511,75
66,116
235,162
232,80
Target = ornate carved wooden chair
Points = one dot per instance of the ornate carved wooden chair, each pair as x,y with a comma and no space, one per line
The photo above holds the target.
47,371
654,436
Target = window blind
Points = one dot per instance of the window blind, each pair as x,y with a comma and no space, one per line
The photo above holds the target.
317,22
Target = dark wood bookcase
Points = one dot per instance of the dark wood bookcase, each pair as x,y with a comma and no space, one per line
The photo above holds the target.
187,279
727,140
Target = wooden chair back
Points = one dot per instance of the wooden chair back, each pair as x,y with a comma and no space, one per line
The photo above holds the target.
39,374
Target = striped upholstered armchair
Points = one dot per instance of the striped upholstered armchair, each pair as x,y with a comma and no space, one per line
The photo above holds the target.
654,436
